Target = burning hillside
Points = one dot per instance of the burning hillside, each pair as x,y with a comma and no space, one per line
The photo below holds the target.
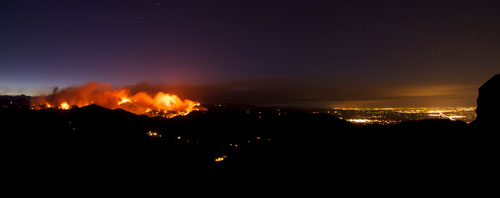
152,104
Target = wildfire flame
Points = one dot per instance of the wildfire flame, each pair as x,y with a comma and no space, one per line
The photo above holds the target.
65,106
124,100
155,104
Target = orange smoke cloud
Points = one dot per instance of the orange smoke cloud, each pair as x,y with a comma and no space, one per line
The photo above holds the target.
152,104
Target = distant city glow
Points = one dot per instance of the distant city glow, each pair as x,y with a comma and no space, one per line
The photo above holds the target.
395,115
361,120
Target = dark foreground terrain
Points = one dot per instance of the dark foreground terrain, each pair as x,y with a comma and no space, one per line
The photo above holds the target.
431,158
431,153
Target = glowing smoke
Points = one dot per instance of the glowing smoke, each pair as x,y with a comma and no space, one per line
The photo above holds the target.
138,102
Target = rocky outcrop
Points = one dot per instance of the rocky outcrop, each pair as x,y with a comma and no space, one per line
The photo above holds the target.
488,103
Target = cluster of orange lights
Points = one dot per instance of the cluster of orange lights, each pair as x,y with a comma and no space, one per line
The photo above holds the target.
153,134
220,159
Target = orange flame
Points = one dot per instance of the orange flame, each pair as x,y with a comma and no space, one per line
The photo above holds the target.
157,104
64,106
124,100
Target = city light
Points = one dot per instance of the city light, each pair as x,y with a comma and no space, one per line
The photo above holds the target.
220,159
361,120
386,116
153,134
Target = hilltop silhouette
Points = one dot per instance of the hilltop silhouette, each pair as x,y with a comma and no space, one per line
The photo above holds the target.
245,137
488,103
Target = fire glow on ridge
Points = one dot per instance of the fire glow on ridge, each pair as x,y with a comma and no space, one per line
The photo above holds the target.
152,104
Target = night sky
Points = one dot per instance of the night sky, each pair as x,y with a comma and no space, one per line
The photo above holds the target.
300,53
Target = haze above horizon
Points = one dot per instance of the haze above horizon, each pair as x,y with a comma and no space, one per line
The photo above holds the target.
360,54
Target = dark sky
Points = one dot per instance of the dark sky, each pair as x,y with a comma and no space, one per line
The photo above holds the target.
304,53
